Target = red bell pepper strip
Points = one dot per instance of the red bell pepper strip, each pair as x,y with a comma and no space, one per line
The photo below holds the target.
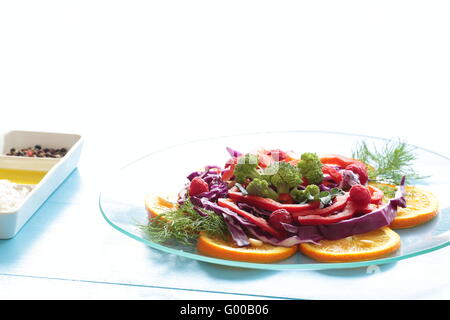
291,156
340,160
278,155
370,207
264,160
350,210
305,182
231,161
376,194
285,198
228,172
314,219
339,203
269,204
293,208
334,174
260,222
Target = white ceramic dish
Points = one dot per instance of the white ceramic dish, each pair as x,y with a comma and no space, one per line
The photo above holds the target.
57,171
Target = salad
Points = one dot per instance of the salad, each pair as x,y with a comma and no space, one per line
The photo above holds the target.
267,205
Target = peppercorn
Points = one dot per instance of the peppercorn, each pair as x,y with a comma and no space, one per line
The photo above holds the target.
38,151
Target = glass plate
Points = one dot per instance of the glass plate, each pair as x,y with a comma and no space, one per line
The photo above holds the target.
165,171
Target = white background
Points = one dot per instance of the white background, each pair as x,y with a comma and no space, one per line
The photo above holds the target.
143,74
135,76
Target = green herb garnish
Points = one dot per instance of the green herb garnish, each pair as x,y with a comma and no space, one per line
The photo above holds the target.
184,224
326,197
389,163
313,193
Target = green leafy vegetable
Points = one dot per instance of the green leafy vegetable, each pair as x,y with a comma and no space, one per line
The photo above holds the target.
184,224
326,197
389,163
311,168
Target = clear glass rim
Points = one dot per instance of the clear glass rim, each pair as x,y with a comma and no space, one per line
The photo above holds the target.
273,266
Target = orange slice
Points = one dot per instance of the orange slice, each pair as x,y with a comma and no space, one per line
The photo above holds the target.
157,204
366,246
421,206
258,251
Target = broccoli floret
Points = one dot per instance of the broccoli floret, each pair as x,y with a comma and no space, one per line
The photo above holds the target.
298,195
312,190
246,168
260,187
311,168
310,193
283,176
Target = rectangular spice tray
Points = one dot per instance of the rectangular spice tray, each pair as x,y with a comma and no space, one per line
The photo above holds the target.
38,171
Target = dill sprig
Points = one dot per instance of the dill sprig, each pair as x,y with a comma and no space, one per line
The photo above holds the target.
184,224
389,163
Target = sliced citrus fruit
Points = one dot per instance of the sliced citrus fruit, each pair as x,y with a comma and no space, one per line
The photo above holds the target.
257,251
366,246
421,206
157,204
